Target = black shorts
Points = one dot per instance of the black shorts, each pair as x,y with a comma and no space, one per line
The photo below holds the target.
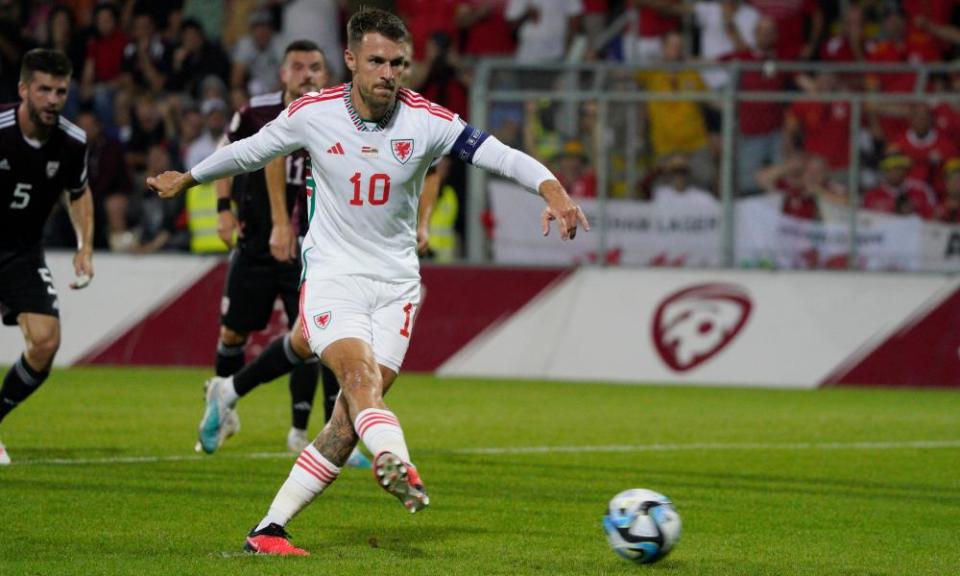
253,285
26,286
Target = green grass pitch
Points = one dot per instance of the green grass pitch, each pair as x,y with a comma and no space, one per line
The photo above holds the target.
829,482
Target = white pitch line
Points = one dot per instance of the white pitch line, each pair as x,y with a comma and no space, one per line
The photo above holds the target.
506,451
154,459
708,446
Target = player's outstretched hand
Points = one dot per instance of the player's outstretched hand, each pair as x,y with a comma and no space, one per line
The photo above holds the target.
562,209
83,268
170,184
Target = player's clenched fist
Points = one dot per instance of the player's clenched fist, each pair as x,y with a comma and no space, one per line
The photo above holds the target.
170,184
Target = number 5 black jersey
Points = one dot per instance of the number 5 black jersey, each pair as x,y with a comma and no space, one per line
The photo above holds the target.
34,175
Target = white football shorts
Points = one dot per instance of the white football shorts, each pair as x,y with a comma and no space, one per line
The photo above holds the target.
379,313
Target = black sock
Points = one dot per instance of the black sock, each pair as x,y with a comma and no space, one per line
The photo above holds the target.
303,386
19,383
330,390
230,359
278,359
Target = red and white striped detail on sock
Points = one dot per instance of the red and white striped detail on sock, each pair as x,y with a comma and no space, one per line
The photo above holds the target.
374,417
317,466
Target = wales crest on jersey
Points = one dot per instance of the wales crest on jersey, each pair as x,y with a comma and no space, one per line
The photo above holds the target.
402,149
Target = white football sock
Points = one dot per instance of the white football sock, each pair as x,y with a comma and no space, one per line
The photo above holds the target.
229,392
380,432
308,478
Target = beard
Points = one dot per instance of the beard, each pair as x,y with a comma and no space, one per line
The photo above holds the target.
36,116
376,101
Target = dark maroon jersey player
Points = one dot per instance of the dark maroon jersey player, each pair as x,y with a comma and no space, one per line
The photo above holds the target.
266,264
250,190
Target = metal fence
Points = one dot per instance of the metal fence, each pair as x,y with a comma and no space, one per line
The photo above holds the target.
617,134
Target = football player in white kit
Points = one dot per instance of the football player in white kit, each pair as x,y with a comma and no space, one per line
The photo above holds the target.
370,144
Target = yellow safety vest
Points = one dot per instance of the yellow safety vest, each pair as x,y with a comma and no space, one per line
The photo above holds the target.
202,219
443,237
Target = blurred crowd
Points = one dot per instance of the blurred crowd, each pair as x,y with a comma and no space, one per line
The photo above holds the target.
156,83
908,151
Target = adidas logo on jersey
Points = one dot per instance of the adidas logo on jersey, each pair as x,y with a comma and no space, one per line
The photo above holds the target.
4,164
336,149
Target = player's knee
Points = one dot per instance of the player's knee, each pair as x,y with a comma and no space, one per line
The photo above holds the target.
42,345
231,337
358,378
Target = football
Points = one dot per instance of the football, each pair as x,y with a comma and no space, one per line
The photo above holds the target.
641,525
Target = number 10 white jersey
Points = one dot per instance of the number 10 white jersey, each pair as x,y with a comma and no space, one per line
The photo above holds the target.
365,179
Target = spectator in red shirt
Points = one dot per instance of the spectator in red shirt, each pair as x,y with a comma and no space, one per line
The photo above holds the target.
848,44
792,18
105,48
943,31
645,43
424,18
437,77
804,182
897,193
926,147
923,16
897,47
822,128
947,114
485,30
760,139
949,208
102,65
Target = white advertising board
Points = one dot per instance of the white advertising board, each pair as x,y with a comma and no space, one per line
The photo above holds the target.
741,328
124,290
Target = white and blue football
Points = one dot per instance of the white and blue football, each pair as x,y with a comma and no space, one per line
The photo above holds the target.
641,525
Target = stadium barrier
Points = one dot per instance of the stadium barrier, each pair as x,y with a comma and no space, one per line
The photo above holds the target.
741,328
686,234
160,310
505,94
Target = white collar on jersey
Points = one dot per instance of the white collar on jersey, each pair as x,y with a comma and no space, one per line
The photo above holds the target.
366,125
